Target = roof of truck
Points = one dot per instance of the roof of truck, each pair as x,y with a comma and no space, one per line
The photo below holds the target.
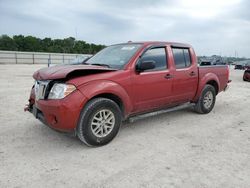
174,44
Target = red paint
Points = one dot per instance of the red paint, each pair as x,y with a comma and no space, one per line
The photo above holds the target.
139,92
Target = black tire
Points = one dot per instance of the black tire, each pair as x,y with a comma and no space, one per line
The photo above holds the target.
200,106
94,107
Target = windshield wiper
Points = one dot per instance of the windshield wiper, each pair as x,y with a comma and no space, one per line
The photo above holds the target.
101,64
84,62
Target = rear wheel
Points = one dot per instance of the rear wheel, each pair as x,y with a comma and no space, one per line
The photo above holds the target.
99,122
206,101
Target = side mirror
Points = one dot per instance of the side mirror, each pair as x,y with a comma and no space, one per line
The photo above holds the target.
145,65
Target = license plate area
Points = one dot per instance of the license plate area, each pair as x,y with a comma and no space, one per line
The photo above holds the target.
40,89
34,111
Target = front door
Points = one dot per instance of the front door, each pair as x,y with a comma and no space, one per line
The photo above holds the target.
152,88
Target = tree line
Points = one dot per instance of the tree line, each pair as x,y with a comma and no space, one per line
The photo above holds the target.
34,44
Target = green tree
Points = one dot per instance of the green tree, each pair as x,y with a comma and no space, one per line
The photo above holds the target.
19,40
7,43
30,43
46,44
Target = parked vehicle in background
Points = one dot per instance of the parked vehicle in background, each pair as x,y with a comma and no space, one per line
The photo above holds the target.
239,67
247,67
212,60
205,63
246,75
208,63
120,82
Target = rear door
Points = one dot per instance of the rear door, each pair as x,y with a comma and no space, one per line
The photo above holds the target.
185,79
152,88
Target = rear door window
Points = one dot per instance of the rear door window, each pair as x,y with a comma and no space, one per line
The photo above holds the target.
181,57
187,57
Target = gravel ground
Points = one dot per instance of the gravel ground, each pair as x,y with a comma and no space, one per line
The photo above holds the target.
176,149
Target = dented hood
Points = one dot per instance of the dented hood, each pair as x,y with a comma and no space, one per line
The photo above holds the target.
67,71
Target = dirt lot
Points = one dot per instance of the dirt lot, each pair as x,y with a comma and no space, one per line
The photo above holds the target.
177,149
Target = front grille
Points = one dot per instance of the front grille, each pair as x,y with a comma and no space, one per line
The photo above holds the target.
41,89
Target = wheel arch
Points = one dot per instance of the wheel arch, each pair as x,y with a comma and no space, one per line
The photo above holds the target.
211,79
112,97
214,84
110,90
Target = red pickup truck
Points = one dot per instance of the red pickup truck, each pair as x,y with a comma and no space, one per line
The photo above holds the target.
122,81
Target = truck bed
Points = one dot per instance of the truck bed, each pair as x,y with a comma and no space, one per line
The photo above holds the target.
221,71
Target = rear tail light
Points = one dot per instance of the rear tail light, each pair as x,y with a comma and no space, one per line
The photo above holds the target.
228,72
228,81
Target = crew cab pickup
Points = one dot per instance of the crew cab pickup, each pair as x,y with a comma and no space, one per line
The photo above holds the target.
92,98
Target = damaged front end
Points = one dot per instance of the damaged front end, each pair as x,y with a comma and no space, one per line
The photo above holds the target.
56,101
47,77
29,106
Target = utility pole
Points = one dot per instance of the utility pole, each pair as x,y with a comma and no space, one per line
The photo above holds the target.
76,32
75,36
236,54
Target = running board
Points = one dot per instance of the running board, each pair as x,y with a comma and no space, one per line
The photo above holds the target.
155,113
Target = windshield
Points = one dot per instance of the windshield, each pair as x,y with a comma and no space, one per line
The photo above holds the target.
115,56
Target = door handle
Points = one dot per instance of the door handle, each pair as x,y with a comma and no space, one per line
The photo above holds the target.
168,76
192,73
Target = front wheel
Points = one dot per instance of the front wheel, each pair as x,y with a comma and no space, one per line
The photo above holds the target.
99,122
206,101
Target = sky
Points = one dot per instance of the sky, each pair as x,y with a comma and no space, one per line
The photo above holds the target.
219,27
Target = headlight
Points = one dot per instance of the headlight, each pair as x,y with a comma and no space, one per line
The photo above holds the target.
59,91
